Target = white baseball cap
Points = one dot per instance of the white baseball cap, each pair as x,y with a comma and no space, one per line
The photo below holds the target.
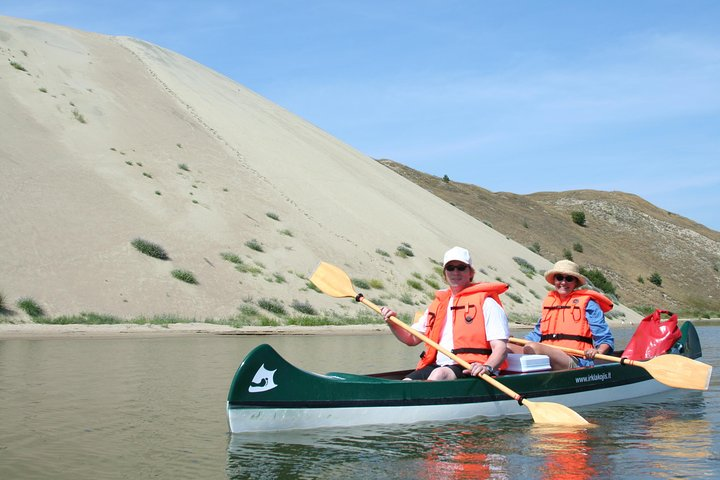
458,254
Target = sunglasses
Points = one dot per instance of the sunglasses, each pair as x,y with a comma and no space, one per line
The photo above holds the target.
459,268
567,278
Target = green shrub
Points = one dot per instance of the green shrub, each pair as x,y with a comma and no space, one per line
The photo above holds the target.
17,66
656,279
272,305
446,179
567,254
360,283
31,307
415,284
432,283
248,310
254,245
382,252
151,249
407,299
598,280
274,216
83,319
578,217
78,116
535,248
640,279
185,276
286,232
246,268
377,284
304,307
578,247
404,251
514,297
525,266
279,278
231,257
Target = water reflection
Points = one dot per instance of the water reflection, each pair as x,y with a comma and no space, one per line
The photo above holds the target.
464,455
480,449
668,436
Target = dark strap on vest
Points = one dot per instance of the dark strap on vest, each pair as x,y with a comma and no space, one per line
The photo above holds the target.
562,336
558,307
479,351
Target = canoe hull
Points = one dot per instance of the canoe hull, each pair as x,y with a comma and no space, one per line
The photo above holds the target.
270,394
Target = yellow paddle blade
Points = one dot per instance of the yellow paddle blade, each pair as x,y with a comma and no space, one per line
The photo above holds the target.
542,412
332,281
554,413
678,371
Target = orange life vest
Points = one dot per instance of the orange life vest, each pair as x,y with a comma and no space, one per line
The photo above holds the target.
469,340
564,322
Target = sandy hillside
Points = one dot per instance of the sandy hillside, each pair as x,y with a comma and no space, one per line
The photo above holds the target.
107,139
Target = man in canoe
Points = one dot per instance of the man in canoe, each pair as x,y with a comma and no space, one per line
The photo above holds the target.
467,319
570,318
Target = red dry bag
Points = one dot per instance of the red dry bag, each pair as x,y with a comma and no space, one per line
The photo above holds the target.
653,336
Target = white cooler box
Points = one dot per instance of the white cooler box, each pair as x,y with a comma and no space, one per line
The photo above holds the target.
518,362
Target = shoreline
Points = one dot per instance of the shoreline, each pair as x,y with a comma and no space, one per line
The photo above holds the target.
39,330
44,331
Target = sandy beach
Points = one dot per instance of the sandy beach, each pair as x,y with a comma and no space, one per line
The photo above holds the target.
36,330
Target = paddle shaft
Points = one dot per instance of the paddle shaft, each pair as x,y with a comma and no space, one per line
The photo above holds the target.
506,390
600,356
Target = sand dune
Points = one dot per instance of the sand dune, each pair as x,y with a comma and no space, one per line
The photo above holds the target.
107,139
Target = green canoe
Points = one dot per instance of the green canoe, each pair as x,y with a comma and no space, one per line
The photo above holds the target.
270,394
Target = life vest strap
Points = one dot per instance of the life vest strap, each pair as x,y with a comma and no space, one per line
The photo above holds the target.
563,336
479,351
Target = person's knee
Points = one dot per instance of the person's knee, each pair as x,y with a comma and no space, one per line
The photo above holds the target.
442,373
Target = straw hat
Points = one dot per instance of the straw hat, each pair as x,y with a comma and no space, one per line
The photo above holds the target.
565,267
457,254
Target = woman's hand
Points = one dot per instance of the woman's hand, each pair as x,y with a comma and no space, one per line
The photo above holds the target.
590,353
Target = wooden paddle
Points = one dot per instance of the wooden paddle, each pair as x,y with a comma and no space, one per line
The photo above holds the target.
672,370
334,282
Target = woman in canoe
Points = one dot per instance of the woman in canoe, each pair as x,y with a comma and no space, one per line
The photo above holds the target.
467,318
570,318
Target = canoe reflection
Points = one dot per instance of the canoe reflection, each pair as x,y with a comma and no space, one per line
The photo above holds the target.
567,452
465,455
418,452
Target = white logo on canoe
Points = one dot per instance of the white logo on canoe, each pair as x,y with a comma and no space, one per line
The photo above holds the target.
263,380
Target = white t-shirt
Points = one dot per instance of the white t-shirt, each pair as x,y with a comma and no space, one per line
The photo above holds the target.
496,327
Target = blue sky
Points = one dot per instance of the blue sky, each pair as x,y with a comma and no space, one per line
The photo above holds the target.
517,96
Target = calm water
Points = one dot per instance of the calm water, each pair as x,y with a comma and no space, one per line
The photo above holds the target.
134,408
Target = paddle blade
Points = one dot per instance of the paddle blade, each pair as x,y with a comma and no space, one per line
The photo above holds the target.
554,414
332,281
678,371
